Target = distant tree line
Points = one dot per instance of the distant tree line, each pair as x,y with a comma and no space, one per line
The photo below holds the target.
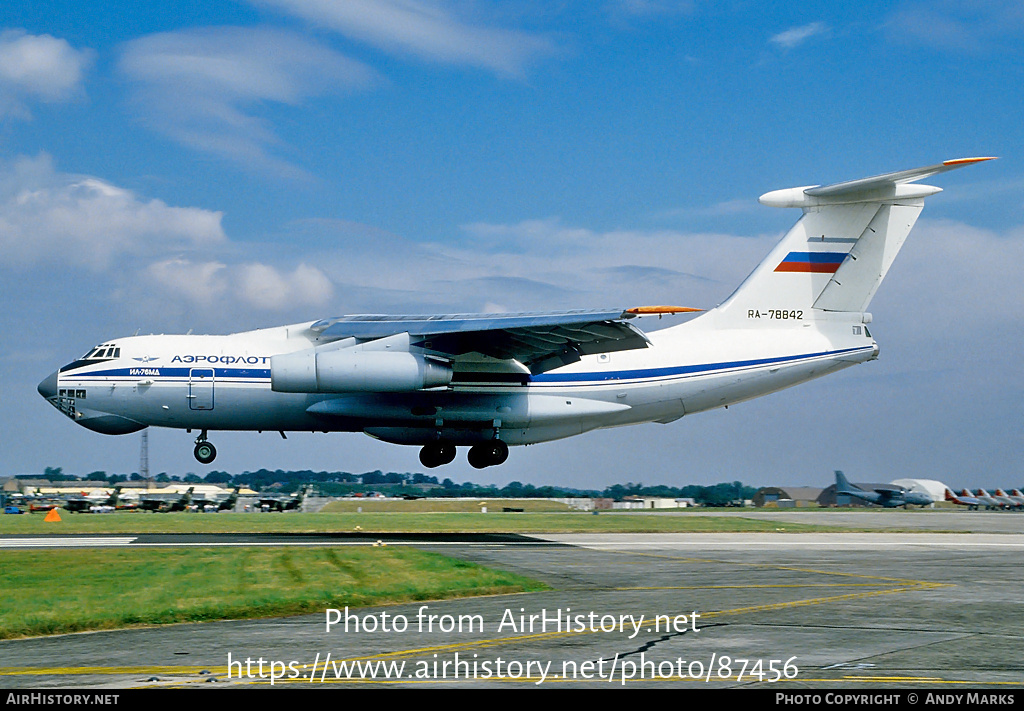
394,483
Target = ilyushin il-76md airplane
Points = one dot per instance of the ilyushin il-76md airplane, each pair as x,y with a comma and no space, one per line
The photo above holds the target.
487,381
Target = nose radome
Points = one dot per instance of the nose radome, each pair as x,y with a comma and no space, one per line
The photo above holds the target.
48,387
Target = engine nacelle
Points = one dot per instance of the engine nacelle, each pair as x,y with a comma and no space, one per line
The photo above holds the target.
348,371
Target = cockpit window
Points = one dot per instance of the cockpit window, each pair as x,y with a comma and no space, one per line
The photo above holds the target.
104,350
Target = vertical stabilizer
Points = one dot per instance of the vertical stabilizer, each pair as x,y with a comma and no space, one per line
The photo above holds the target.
837,254
842,485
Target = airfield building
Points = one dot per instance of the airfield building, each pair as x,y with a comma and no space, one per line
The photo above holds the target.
934,489
786,497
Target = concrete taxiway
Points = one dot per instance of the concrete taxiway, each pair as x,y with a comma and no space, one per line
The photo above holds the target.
850,611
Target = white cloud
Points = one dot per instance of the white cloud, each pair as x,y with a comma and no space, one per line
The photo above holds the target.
979,26
143,250
536,265
952,282
264,286
50,217
650,8
796,36
426,28
957,282
254,285
196,282
38,67
204,88
719,209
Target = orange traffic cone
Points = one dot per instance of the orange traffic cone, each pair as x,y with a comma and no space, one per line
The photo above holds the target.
52,516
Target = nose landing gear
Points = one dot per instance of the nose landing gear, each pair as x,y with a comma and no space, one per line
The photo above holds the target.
204,452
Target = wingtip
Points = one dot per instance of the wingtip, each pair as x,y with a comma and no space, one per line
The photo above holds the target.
966,161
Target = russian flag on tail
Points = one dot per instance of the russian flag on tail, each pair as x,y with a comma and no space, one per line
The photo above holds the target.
815,262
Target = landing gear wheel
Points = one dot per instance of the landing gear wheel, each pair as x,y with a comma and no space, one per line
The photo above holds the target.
446,453
499,452
205,452
434,455
488,455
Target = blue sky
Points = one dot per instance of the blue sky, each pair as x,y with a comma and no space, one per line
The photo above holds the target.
222,167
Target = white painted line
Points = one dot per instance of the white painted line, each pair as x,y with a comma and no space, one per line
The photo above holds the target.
836,541
114,541
307,544
107,541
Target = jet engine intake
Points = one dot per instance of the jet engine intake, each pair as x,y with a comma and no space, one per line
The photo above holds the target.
346,371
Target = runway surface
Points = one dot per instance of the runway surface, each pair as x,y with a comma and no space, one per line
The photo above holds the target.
849,611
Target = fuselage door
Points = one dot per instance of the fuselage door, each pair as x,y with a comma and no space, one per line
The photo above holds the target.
200,389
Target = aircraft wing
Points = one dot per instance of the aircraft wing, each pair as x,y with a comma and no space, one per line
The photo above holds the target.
540,341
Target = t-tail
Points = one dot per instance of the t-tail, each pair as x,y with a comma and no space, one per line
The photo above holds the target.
842,485
830,264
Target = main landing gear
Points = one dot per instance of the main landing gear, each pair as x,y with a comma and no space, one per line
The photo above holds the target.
204,452
480,455
488,455
436,454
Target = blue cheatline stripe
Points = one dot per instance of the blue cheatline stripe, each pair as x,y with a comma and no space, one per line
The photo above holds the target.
637,374
679,369
142,372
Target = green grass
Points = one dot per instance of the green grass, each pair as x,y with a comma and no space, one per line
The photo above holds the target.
400,522
58,591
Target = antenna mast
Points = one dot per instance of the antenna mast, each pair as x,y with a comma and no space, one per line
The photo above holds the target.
144,455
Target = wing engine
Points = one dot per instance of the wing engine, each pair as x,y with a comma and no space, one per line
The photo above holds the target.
354,370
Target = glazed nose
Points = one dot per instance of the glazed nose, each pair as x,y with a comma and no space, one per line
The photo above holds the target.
48,388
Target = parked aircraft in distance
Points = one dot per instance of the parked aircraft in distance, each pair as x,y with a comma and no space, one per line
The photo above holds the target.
971,502
228,504
487,381
83,504
987,501
284,504
168,506
1016,496
215,505
1012,501
1000,498
889,498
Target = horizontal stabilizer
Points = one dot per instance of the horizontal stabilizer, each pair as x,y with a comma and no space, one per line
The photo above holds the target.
835,257
897,178
879,188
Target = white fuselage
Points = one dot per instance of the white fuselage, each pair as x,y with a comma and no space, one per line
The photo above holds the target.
489,380
224,383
